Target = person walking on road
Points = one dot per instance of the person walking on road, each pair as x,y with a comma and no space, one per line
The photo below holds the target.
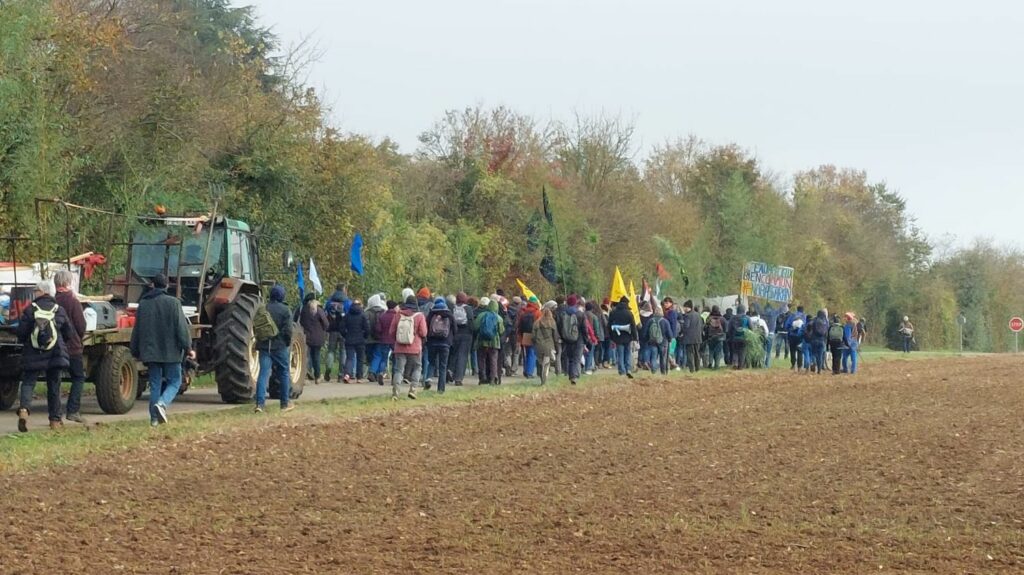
489,328
355,329
68,302
463,346
624,332
161,341
440,337
409,329
43,331
314,324
274,353
386,342
545,340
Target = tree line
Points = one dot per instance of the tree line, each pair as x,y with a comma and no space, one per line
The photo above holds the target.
125,104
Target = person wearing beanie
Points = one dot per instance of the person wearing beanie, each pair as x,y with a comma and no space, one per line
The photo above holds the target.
715,329
545,340
161,340
356,332
275,352
462,345
385,342
46,353
336,307
406,292
489,326
596,330
440,337
795,325
572,331
409,329
376,305
737,337
315,324
527,318
425,303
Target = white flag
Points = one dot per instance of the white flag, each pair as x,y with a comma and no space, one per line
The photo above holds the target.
314,278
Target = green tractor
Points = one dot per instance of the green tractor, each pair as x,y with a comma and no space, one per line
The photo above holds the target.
213,266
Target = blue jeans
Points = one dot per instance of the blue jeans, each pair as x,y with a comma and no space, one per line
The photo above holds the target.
589,357
425,361
805,347
649,356
906,344
379,362
268,361
529,361
680,353
768,351
439,357
851,354
355,360
818,351
158,391
782,345
716,352
623,358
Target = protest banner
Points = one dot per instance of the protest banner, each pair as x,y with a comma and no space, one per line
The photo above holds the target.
765,281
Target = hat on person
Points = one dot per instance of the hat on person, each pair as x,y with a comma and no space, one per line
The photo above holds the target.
533,299
424,292
550,304
571,300
485,301
624,300
411,300
277,293
439,303
461,298
688,303
406,293
517,300
160,281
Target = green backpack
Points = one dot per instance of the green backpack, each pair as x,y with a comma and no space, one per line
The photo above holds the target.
654,334
263,325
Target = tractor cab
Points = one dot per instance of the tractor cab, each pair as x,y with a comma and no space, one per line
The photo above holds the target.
207,264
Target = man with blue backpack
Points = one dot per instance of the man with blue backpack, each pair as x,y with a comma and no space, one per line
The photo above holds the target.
795,325
489,329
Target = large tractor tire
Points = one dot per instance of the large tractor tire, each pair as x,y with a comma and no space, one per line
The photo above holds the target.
9,389
297,362
117,380
235,350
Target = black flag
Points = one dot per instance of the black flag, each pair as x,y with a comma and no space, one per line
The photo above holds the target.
547,207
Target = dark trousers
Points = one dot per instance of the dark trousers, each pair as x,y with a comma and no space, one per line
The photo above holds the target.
796,358
439,357
739,353
459,357
28,386
571,356
663,358
77,372
837,357
314,359
693,356
606,350
355,360
489,363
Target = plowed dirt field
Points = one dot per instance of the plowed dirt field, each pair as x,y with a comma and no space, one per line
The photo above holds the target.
912,466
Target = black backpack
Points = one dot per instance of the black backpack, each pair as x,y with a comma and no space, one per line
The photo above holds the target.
526,324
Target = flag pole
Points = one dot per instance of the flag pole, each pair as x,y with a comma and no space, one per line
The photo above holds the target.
558,244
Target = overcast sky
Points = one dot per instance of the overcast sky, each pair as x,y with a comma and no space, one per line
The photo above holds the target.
925,95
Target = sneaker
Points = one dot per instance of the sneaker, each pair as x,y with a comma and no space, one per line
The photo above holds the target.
154,423
629,375
394,397
287,408
327,376
316,381
426,386
161,413
76,417
259,409
572,382
56,425
23,420
588,372
347,379
412,395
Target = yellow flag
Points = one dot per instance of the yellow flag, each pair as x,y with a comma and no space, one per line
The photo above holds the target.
618,288
526,291
633,307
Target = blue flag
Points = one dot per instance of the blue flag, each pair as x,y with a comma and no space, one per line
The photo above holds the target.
301,281
356,255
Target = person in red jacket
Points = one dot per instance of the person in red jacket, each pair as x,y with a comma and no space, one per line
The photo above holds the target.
409,329
67,300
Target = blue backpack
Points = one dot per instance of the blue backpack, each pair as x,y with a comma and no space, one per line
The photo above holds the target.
489,326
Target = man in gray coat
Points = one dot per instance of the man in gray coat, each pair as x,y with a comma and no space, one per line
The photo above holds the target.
692,334
161,340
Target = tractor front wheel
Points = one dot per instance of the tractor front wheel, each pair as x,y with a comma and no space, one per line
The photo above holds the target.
117,381
235,350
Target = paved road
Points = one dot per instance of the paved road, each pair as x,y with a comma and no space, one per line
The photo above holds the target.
203,399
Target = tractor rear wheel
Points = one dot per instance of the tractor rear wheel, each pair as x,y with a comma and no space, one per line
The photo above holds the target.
235,350
9,389
297,362
117,380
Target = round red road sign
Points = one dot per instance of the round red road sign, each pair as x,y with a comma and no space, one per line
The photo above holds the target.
1016,324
